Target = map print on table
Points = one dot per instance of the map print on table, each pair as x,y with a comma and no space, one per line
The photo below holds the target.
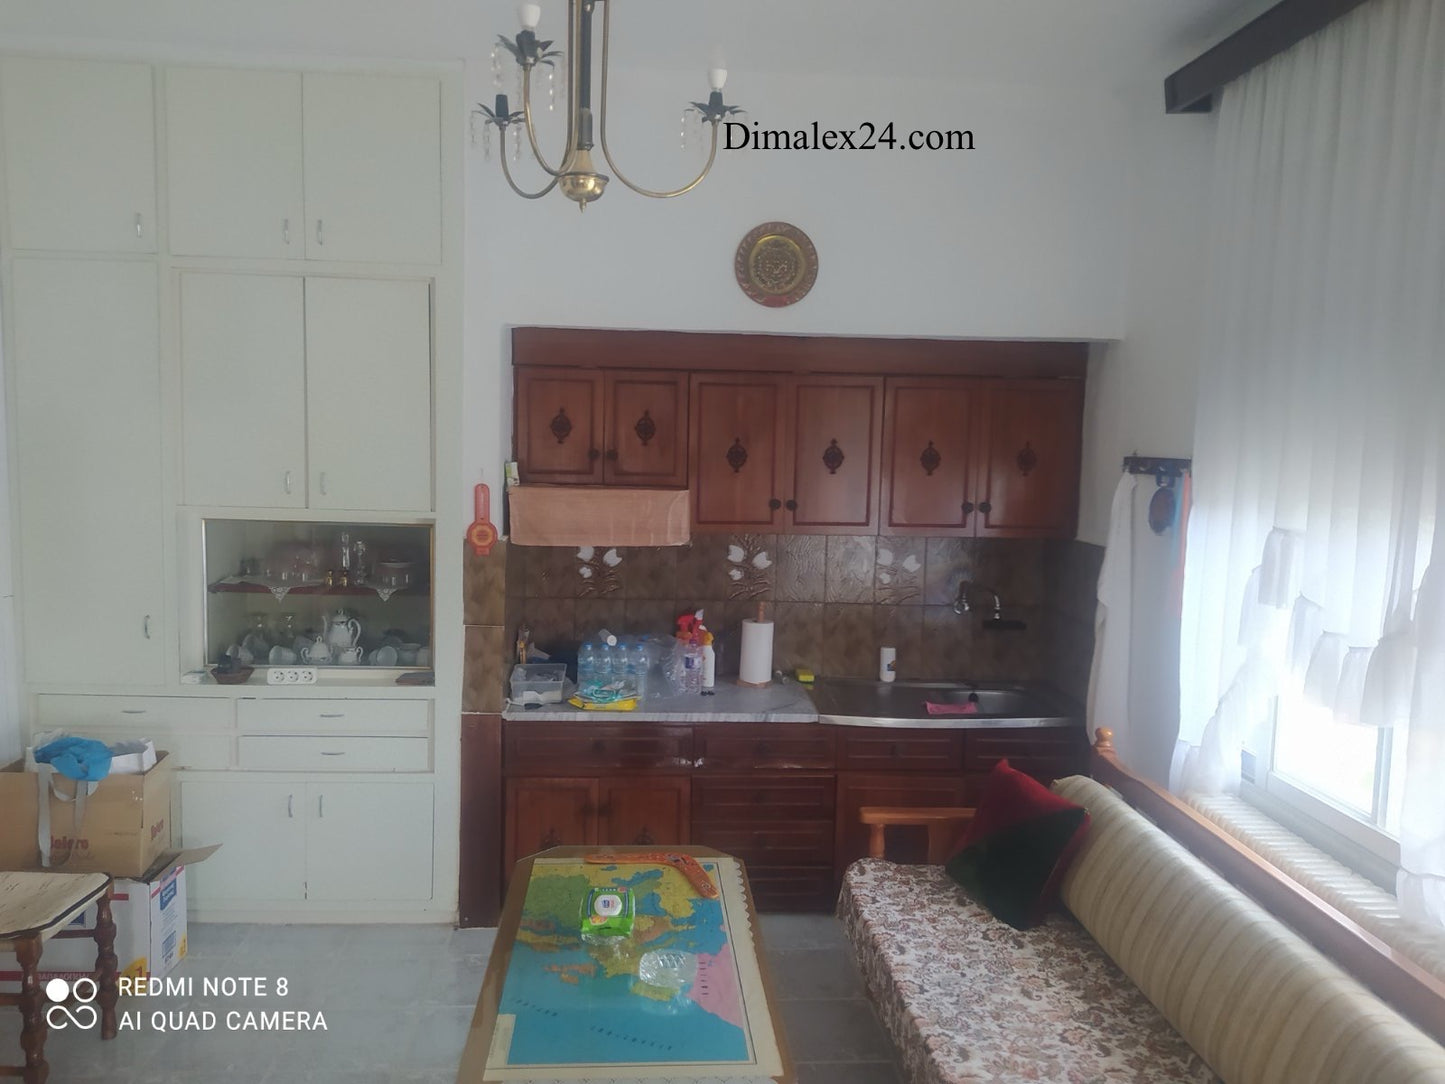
578,1003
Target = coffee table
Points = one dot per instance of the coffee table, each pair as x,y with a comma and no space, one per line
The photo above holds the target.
554,1007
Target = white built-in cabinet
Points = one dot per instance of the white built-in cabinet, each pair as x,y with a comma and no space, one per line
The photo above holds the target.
320,166
352,842
88,470
311,392
235,311
80,169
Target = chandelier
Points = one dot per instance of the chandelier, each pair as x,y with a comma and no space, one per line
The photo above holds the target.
575,173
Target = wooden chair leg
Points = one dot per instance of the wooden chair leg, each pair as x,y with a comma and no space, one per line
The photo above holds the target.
32,1016
107,964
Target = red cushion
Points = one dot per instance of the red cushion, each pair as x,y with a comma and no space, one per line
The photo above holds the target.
1014,852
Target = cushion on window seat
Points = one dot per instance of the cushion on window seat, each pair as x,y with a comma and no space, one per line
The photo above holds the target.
968,999
1259,1004
1342,888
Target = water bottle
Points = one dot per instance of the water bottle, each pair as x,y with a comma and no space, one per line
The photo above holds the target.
586,665
606,662
692,669
641,663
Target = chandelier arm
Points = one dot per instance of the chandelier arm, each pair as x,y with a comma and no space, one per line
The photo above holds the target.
507,172
532,132
606,154
574,19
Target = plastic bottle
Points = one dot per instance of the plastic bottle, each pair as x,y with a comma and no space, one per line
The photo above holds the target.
639,664
586,664
692,669
709,665
605,662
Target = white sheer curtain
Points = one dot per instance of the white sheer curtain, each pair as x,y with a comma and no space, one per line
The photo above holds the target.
1317,461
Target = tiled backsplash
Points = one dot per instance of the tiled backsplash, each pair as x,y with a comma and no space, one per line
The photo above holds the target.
835,600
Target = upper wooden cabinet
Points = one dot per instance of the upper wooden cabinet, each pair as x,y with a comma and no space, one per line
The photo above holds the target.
983,458
806,434
79,155
784,453
584,426
321,166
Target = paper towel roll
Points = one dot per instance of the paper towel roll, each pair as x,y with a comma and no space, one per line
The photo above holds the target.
755,659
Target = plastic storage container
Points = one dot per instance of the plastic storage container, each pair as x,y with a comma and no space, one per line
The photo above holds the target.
538,683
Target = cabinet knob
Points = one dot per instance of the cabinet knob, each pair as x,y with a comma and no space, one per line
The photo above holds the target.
790,504
145,626
320,236
612,455
286,481
285,231
323,483
985,507
139,229
593,454
775,504
967,510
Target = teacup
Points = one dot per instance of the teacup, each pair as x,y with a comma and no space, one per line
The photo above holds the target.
423,656
349,656
281,656
406,654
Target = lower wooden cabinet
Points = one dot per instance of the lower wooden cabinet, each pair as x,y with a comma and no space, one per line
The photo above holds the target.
783,797
640,811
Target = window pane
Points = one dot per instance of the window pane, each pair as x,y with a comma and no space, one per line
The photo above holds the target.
1335,760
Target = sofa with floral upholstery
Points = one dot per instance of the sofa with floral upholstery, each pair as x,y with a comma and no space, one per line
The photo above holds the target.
1159,970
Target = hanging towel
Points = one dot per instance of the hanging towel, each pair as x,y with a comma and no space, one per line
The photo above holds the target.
1108,703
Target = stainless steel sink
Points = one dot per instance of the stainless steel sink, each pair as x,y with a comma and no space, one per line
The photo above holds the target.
851,702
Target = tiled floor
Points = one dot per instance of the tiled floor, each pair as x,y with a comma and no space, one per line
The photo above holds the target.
398,1000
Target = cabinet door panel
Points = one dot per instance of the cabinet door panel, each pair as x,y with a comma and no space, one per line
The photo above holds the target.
368,394
559,426
88,469
261,829
233,162
646,426
1028,459
736,451
926,472
79,154
837,427
543,813
389,823
642,812
372,168
243,391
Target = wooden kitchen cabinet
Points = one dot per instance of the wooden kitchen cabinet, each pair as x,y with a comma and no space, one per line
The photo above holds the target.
982,458
803,455
587,427
636,811
1029,454
783,797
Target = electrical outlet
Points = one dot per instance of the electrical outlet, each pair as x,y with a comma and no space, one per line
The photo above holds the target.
291,675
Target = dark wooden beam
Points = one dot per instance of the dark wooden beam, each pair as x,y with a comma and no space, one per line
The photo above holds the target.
1191,89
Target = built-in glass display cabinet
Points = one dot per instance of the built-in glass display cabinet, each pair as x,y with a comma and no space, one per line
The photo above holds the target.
344,597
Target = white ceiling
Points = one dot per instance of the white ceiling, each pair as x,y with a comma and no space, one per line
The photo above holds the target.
1096,42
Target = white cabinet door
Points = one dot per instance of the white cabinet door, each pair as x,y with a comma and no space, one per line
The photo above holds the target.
79,155
261,828
88,468
233,158
243,390
373,168
369,841
368,394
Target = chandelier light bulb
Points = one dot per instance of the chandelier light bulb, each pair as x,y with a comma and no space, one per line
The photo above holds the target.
717,78
530,14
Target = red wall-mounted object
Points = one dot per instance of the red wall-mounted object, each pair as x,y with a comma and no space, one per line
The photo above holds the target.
482,535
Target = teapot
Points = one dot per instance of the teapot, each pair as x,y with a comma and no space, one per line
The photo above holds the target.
342,631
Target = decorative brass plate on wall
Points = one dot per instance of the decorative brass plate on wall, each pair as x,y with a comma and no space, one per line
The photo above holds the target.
776,264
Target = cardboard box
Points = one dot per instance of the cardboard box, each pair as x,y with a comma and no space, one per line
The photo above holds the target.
150,928
124,829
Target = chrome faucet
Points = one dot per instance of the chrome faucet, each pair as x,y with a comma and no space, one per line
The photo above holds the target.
960,601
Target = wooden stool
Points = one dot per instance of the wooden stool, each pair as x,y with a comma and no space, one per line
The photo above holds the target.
35,907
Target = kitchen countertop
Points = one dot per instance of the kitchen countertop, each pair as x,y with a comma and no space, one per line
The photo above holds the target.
731,702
